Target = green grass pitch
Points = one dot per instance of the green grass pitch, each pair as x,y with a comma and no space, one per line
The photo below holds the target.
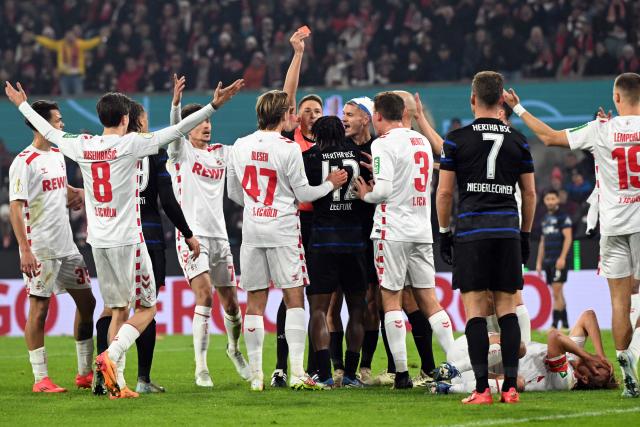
231,403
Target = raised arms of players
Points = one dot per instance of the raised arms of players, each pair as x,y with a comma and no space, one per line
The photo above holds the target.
547,135
293,73
434,138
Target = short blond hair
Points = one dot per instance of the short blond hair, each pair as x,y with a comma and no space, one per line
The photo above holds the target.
271,109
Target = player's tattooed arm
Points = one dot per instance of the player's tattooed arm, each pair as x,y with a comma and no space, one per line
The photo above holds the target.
426,129
548,135
28,261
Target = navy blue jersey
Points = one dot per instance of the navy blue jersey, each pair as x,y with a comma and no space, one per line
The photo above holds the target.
552,226
488,158
369,209
337,217
156,181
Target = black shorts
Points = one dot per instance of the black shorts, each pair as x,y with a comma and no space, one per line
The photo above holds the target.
306,221
553,275
330,271
370,264
158,261
489,264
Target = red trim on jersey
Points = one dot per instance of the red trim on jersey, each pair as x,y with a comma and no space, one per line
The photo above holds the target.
55,150
382,234
28,229
137,266
214,147
383,207
31,158
384,220
137,252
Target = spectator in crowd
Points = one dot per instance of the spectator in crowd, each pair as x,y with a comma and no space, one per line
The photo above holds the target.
629,62
601,63
578,189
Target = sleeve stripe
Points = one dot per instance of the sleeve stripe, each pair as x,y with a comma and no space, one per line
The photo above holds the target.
32,157
451,143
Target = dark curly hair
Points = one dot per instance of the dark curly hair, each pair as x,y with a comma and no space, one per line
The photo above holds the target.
328,131
135,111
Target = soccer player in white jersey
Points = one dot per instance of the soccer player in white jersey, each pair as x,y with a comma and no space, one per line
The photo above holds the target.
199,187
615,145
49,260
266,176
402,169
109,165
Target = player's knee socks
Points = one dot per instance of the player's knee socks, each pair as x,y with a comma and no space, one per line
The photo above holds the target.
120,365
369,345
524,321
295,330
335,347
563,317
555,318
391,366
397,335
634,345
441,326
146,344
478,342
492,324
254,339
200,330
351,359
38,359
233,326
84,351
282,349
635,309
422,337
102,333
124,339
510,343
323,359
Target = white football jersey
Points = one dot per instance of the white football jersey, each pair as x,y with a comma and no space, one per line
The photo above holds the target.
404,158
111,173
199,186
268,166
537,374
615,145
40,179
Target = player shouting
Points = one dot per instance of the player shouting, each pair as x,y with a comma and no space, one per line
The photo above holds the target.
109,169
266,175
49,260
199,186
615,144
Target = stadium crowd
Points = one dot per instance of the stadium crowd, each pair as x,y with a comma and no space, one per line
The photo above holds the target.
133,46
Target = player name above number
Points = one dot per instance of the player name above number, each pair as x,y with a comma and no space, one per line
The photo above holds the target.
490,127
479,187
339,155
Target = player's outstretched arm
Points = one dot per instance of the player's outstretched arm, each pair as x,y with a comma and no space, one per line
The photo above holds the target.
435,140
293,73
178,89
549,136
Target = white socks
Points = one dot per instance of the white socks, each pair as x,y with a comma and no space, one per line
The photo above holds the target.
233,326
635,309
396,336
254,338
495,355
295,330
634,345
38,359
84,350
200,330
120,365
524,321
441,326
126,336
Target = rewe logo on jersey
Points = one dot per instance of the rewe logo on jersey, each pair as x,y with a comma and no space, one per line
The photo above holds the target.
212,173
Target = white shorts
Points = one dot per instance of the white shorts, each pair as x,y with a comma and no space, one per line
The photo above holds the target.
284,266
620,256
55,276
125,275
401,264
215,258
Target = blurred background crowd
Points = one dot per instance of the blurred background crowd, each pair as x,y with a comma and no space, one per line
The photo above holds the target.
135,45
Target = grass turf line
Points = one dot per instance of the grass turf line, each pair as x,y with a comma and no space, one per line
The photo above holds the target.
231,403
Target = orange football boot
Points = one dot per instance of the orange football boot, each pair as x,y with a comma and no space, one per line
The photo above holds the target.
476,398
125,393
84,381
45,385
510,396
109,372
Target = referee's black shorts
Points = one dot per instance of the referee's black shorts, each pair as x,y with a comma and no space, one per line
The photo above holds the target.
489,264
159,262
554,275
329,272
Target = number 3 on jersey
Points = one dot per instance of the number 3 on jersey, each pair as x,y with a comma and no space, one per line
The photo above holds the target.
101,172
252,187
421,158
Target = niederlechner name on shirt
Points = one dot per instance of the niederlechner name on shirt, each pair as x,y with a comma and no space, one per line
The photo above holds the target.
490,127
481,187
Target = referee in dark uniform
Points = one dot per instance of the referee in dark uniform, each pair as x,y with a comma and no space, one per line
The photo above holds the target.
487,159
155,182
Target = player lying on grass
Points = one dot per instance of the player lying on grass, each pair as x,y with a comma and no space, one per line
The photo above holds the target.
615,144
560,364
49,259
199,187
109,164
